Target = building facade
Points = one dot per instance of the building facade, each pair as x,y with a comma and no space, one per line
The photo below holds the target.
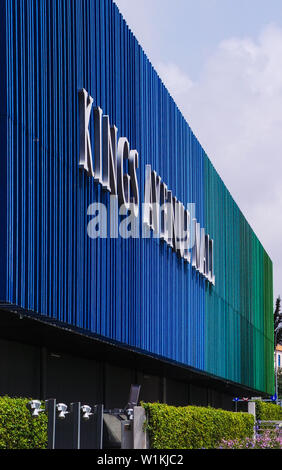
278,356
82,318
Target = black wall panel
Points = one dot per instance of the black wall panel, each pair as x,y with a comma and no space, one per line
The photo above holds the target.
198,396
71,379
117,385
177,393
19,369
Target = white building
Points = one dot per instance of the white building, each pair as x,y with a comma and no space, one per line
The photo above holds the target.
278,356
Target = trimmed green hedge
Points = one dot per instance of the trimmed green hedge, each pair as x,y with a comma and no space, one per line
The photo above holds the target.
18,430
268,411
194,427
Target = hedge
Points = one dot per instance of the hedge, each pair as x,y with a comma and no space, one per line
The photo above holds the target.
268,411
194,427
18,430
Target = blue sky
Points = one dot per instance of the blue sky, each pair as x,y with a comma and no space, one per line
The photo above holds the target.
187,31
222,62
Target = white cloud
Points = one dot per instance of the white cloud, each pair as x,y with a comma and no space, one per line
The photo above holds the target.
175,79
235,109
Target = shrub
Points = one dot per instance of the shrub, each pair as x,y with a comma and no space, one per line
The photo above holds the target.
194,427
18,430
268,411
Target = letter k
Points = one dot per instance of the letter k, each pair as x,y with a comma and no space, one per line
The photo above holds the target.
85,152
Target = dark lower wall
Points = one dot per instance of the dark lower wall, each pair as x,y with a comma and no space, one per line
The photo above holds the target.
42,359
33,371
19,369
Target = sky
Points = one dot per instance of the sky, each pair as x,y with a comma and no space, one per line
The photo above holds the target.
221,60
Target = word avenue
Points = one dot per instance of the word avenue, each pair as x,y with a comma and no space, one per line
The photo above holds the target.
115,168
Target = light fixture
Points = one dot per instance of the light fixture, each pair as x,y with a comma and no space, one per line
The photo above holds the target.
34,407
62,410
86,412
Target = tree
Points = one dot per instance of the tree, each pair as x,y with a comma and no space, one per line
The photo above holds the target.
278,320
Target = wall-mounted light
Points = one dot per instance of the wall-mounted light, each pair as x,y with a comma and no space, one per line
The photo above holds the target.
34,407
86,412
62,410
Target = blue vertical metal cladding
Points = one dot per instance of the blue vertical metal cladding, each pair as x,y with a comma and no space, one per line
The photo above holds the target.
136,291
3,146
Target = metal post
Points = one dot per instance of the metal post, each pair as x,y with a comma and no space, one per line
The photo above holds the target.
252,411
98,423
76,410
51,412
276,374
279,327
43,367
164,390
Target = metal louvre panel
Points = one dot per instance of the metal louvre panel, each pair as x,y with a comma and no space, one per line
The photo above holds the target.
136,292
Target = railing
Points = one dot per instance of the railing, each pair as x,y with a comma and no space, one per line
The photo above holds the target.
274,426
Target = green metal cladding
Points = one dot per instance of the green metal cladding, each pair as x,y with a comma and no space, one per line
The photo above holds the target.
133,292
238,316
